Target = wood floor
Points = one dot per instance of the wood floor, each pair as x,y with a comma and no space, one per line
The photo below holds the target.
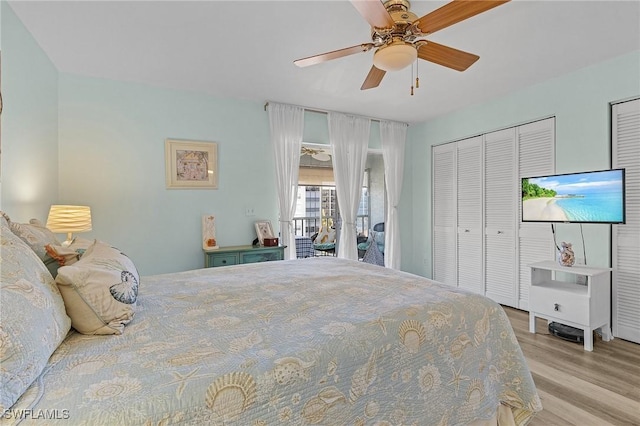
577,387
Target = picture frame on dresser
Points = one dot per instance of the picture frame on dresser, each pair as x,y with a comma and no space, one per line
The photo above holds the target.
191,164
263,230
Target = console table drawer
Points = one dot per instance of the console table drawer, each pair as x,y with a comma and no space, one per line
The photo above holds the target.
223,259
559,304
266,256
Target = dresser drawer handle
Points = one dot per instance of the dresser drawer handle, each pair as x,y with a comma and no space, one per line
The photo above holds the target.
224,261
556,307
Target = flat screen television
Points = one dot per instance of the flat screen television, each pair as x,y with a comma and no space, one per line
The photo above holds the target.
589,197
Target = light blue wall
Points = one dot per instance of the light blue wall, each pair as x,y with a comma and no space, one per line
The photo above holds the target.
112,145
580,103
29,159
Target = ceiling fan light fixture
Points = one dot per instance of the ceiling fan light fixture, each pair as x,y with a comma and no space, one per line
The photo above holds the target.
395,56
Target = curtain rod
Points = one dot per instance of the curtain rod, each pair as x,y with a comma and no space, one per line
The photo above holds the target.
319,111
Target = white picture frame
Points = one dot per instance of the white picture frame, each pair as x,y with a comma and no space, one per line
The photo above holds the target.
191,164
264,230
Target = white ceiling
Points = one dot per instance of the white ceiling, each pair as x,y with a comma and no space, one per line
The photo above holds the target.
245,49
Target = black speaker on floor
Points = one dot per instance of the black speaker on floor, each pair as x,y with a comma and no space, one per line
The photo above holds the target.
566,332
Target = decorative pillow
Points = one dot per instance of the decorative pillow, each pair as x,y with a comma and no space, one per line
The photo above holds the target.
100,290
37,236
33,319
325,236
332,235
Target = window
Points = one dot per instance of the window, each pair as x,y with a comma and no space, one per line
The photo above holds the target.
317,203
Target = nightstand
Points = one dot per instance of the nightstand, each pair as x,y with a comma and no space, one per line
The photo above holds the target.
580,306
237,255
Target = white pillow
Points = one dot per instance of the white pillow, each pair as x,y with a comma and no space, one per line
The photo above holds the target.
325,236
100,290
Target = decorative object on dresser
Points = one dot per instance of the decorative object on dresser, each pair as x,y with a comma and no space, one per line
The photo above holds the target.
65,219
237,255
191,164
209,241
566,257
270,241
586,307
264,230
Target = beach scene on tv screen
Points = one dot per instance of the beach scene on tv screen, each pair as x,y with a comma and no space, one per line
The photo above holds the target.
581,197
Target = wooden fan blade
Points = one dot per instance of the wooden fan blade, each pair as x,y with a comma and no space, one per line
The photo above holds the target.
324,57
446,56
454,12
374,12
373,78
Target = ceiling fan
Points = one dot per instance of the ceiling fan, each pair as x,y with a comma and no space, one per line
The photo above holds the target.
397,35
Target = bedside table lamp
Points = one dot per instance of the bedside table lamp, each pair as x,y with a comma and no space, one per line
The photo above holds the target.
69,219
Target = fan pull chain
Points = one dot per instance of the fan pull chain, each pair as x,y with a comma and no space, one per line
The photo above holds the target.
411,79
417,78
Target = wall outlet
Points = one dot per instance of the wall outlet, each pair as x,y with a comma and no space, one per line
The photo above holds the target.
249,211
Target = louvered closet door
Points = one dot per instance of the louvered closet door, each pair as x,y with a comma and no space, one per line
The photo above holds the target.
536,157
500,216
444,213
470,196
626,238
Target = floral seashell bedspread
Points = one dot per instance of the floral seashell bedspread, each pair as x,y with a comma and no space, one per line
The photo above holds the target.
302,342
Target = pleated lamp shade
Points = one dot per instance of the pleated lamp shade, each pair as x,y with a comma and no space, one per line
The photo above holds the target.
69,219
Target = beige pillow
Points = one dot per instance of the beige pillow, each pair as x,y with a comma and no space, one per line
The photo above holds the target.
99,290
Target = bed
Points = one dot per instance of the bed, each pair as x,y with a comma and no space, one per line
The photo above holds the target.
307,341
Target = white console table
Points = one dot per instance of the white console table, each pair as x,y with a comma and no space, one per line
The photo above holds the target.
586,307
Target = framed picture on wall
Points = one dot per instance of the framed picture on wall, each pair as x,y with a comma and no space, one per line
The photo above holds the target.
264,230
191,164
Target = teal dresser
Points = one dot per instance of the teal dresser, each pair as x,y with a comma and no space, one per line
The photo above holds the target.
237,255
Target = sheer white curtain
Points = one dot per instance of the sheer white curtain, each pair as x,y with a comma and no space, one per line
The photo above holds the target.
287,124
349,138
393,136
